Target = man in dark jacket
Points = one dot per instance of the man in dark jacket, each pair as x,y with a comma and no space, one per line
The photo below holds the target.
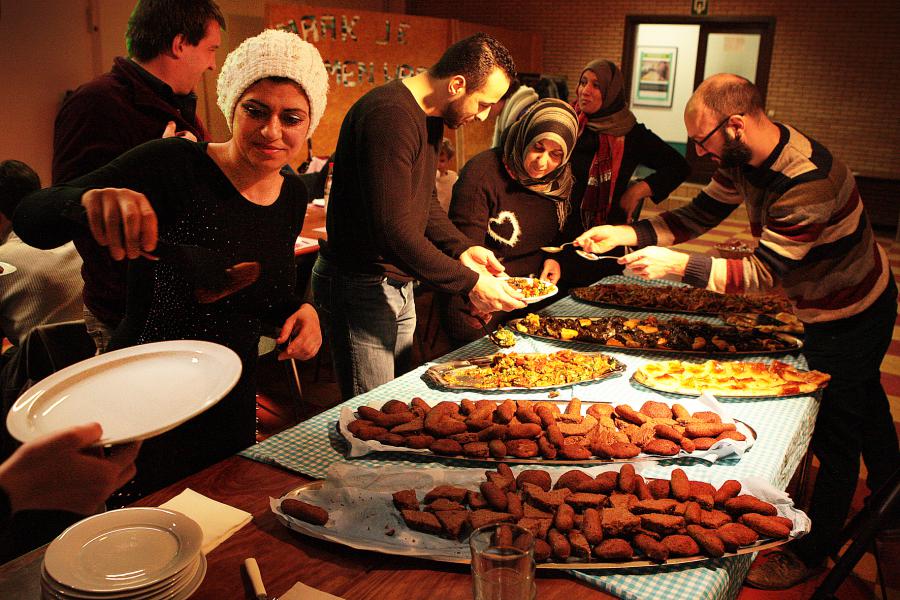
148,95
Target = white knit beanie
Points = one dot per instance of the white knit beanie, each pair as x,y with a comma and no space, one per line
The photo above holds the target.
274,53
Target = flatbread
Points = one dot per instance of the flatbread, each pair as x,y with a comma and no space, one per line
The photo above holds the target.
730,378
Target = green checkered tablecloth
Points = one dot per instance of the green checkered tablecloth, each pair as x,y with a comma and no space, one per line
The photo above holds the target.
783,427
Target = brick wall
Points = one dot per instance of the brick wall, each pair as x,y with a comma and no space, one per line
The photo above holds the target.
835,66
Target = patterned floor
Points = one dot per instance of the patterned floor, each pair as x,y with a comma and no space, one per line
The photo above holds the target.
278,408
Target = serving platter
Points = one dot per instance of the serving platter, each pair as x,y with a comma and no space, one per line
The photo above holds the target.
783,322
463,374
725,447
363,517
731,379
679,299
608,333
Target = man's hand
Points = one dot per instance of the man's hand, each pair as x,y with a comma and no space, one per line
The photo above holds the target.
169,131
62,472
482,261
122,220
654,262
304,326
552,271
603,238
491,294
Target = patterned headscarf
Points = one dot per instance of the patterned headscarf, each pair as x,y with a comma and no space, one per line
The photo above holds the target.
547,119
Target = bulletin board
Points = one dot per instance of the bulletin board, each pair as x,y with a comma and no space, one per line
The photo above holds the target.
364,49
361,50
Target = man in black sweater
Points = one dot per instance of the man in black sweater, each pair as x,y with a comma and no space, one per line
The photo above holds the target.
385,225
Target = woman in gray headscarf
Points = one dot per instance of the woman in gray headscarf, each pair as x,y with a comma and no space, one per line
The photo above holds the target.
611,144
514,199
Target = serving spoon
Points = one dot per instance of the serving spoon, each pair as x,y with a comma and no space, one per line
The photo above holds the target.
582,253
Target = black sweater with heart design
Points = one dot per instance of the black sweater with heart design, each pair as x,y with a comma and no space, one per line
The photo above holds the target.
496,211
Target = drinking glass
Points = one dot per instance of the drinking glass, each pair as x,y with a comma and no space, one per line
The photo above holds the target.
502,563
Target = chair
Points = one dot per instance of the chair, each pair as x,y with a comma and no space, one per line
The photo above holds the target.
880,508
45,350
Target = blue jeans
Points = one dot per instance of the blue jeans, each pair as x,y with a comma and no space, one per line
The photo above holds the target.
369,321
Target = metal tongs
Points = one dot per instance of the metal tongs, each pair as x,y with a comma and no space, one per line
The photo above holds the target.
496,338
212,277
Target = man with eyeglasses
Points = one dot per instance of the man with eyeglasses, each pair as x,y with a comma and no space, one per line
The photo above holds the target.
816,243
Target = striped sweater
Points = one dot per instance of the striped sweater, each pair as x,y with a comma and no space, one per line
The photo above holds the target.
814,239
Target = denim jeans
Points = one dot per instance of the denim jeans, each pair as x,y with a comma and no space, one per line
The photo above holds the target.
369,321
854,418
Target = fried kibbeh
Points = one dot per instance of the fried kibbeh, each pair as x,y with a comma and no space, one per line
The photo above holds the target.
572,526
614,550
304,511
680,545
746,503
546,429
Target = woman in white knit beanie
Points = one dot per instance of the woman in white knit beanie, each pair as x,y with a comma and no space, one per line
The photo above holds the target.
229,217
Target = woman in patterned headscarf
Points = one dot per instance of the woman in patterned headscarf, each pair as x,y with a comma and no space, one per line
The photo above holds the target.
611,144
514,198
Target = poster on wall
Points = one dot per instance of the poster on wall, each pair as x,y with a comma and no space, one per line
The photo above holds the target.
656,80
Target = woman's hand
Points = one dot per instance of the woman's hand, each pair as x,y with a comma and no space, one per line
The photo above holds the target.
122,220
304,327
552,271
632,196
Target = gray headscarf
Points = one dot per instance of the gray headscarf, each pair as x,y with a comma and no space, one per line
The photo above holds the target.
551,119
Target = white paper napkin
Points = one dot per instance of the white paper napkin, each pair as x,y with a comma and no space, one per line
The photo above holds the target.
218,521
301,591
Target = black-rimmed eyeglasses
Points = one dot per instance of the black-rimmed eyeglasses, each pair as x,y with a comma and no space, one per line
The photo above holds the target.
713,132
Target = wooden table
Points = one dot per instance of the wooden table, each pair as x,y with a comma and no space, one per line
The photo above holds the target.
286,557
315,219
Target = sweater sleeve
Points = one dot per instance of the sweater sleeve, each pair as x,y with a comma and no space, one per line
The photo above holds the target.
671,169
709,208
54,216
387,172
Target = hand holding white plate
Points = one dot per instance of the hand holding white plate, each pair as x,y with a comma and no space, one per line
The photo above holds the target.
134,393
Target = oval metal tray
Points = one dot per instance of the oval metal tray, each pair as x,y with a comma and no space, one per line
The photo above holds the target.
437,374
795,341
322,533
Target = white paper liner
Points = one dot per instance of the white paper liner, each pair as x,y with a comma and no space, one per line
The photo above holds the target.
704,402
361,511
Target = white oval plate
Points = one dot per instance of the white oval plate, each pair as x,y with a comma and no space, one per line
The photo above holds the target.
167,589
134,393
533,299
124,549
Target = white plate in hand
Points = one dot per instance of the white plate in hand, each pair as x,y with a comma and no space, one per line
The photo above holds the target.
552,289
134,393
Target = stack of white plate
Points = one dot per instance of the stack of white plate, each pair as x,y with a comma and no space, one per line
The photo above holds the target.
132,553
